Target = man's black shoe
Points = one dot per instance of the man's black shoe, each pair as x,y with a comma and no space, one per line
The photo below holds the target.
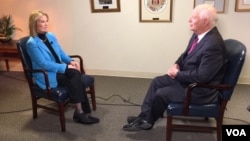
248,108
137,125
131,119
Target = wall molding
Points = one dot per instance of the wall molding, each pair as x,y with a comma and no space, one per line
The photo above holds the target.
242,80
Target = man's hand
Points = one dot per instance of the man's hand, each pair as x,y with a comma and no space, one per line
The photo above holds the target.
172,71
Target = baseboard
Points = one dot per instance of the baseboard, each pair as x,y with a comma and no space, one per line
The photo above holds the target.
244,80
241,80
123,73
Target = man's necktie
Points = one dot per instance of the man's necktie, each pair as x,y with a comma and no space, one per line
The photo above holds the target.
194,44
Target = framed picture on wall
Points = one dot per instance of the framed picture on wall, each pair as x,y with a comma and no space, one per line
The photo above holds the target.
218,4
242,5
155,10
105,6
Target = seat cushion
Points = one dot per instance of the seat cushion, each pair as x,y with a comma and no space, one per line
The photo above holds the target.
59,94
206,110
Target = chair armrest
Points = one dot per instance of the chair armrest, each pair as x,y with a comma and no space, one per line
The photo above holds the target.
45,74
212,86
187,101
79,58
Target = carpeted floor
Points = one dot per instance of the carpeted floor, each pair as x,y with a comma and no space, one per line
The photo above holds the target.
117,98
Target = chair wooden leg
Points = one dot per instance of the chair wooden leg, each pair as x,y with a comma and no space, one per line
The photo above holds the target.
169,128
219,129
61,115
92,94
34,106
7,64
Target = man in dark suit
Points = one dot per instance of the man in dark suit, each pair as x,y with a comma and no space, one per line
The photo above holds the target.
204,64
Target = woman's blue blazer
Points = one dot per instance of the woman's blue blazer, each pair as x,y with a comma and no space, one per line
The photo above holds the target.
42,58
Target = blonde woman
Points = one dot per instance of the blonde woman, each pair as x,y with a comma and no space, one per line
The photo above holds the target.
46,53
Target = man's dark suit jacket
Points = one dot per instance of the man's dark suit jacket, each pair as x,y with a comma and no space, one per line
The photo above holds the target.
205,64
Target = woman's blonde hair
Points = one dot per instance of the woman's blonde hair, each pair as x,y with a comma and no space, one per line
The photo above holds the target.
34,16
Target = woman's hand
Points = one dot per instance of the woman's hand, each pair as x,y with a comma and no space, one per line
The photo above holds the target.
74,65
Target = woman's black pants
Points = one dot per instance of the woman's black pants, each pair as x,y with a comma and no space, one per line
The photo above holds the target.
72,79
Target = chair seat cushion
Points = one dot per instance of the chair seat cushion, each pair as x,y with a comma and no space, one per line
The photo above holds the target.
59,94
206,110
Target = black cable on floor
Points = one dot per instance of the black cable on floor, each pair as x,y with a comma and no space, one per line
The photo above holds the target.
124,100
10,112
106,99
236,119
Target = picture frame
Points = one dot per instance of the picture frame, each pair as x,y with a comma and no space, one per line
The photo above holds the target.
105,6
242,5
155,10
218,4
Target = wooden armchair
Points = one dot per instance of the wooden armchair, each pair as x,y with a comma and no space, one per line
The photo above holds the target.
58,95
236,52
